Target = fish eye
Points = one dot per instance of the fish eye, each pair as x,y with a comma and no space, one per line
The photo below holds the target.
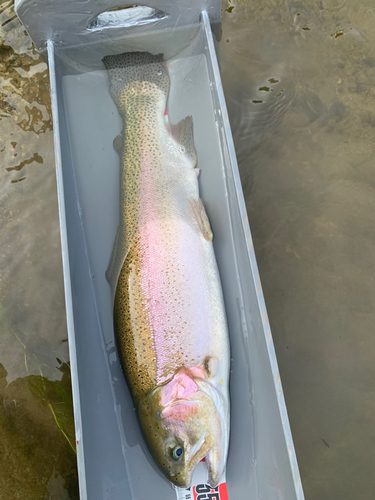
177,452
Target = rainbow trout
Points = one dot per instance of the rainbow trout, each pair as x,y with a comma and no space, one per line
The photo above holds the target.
168,308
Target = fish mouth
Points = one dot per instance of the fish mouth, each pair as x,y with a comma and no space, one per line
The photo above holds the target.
197,453
194,450
200,451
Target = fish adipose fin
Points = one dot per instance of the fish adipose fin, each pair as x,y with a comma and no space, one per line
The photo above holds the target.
118,144
182,132
201,217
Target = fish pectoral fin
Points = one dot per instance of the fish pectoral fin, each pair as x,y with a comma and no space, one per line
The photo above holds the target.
211,365
201,217
118,144
183,133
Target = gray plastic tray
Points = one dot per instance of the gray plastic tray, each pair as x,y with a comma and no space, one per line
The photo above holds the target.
112,460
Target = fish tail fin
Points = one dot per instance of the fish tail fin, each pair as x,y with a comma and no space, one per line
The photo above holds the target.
123,69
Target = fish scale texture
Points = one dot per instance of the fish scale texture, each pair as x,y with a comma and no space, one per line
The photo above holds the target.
168,305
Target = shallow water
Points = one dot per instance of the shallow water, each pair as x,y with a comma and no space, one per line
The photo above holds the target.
299,81
298,78
37,455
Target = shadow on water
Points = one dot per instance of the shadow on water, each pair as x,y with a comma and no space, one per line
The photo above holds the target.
37,452
306,164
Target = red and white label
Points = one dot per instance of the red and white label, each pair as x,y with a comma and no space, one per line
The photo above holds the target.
200,490
205,492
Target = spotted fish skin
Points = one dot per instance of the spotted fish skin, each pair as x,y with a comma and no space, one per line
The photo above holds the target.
169,316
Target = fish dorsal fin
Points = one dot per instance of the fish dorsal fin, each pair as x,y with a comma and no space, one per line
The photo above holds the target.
183,133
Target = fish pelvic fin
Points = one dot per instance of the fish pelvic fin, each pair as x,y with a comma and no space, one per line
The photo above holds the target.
201,218
183,133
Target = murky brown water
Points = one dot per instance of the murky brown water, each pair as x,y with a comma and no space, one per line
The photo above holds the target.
299,81
37,456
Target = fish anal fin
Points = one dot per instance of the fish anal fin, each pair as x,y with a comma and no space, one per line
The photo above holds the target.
119,254
111,265
183,133
201,217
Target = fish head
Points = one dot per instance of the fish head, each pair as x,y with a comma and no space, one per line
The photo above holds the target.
183,422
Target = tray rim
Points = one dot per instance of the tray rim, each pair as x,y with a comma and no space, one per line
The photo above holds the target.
205,22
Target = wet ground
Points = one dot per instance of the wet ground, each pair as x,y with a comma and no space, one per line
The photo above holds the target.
299,81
